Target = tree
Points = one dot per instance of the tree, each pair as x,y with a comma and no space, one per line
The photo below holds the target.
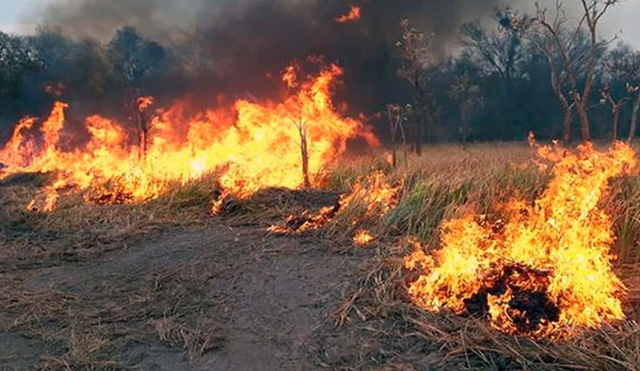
618,72
467,95
301,125
616,107
144,124
632,70
593,11
497,52
413,51
134,58
396,116
552,36
18,59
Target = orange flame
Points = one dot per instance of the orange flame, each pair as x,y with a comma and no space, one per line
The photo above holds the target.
251,145
354,15
373,195
363,238
543,269
144,103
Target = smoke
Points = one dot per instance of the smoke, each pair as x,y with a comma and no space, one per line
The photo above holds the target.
162,19
247,38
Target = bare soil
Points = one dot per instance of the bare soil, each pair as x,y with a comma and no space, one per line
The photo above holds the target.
204,297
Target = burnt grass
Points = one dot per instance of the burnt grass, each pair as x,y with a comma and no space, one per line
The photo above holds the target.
529,308
165,286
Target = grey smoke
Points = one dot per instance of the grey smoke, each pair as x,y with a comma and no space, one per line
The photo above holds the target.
247,38
162,19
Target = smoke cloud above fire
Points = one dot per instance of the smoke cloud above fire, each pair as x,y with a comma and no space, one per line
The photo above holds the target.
286,19
246,39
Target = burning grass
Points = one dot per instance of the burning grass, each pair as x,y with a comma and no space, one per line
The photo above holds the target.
411,337
438,187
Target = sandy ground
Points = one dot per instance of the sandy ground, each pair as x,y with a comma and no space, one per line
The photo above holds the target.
259,302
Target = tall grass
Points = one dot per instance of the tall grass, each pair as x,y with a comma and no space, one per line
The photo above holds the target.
445,183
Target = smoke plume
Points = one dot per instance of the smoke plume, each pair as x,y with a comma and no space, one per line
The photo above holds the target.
242,40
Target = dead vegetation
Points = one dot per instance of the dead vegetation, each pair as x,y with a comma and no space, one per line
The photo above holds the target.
374,327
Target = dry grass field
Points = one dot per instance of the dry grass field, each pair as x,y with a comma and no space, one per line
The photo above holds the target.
164,285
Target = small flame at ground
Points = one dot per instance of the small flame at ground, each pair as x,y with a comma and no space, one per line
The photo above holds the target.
370,197
252,145
363,238
541,270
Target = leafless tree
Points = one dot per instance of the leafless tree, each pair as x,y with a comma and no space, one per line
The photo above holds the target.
467,95
593,11
144,125
413,51
396,116
631,67
301,125
606,97
551,33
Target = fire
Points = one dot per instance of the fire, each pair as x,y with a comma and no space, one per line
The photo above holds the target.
542,270
363,238
370,197
353,15
251,145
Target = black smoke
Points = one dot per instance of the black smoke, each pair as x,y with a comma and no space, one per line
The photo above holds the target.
243,40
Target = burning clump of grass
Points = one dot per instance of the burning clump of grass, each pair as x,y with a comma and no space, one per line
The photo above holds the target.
370,197
252,145
541,269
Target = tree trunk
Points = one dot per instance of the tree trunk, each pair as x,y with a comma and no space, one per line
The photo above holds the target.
616,120
584,121
566,126
418,138
465,129
420,121
305,155
634,119
394,157
143,135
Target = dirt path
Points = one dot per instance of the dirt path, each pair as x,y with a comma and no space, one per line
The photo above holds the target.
257,297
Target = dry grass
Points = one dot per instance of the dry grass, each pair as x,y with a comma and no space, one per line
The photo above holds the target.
396,335
442,184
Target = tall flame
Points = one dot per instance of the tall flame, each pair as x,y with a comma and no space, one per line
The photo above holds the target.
253,145
544,268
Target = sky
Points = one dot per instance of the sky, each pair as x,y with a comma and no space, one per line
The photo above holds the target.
623,19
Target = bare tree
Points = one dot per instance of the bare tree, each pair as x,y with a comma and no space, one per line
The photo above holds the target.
144,125
606,97
635,90
413,51
301,125
467,95
396,114
552,35
631,68
593,11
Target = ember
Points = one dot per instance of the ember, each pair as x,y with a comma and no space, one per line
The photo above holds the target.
353,15
541,270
